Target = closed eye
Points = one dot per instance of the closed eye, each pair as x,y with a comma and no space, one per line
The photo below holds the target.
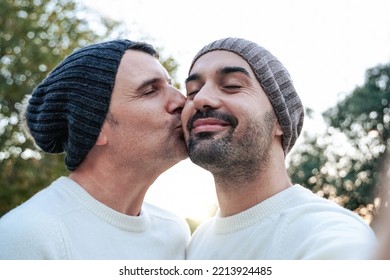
232,88
192,94
150,90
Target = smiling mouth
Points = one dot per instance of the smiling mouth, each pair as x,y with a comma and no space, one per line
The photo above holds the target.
210,122
208,125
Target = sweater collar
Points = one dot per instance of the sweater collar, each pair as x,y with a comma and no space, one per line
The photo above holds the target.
263,210
117,219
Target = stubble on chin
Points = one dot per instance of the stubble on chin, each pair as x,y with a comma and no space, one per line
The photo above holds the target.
207,151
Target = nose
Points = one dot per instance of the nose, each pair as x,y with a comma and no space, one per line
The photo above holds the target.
206,99
177,101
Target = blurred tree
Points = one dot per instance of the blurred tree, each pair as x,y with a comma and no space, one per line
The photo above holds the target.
35,35
171,65
343,164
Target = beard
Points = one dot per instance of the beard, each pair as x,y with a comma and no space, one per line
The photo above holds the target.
236,157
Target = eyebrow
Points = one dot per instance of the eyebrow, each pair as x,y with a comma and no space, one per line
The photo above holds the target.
233,69
193,77
223,71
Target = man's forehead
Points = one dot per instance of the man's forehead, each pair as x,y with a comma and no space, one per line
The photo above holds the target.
220,62
139,66
220,56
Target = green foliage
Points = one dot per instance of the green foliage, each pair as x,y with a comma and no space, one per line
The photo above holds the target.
366,111
171,65
343,164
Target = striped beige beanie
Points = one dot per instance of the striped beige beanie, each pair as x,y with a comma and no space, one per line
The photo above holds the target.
273,78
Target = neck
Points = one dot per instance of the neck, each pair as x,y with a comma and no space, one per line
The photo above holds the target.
237,195
121,190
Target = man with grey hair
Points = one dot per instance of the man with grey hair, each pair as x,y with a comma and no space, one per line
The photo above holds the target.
241,118
111,108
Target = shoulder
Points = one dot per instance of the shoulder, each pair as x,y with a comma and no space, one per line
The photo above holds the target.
53,200
307,206
27,235
32,230
160,213
325,229
163,216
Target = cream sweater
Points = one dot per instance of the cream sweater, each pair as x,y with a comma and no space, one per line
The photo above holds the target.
293,224
64,222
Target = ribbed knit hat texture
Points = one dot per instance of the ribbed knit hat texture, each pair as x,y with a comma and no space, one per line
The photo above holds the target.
67,110
273,78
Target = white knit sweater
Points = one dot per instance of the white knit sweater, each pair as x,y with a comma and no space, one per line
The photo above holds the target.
293,224
64,222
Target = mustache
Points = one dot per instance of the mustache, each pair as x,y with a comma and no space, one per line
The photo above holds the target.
214,114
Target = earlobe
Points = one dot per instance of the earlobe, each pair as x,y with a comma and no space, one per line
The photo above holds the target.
102,139
278,129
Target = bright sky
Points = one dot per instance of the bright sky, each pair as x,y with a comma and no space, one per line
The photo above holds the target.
325,45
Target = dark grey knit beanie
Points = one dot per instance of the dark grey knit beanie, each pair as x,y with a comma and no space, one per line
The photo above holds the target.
66,111
273,78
